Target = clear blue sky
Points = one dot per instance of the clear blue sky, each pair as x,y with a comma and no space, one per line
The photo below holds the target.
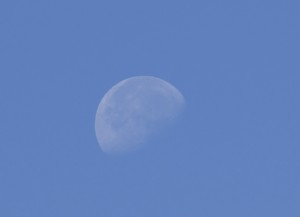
235,152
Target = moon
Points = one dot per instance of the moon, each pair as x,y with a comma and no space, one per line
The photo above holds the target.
134,110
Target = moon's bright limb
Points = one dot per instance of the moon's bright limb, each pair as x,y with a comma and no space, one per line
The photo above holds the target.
133,110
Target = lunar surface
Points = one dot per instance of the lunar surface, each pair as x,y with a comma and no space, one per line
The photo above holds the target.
134,110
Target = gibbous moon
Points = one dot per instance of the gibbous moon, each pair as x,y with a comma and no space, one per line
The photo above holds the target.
134,110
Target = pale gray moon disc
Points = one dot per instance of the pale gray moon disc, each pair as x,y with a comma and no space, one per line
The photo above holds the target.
134,110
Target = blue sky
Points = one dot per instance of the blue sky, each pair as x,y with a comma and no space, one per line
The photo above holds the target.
235,151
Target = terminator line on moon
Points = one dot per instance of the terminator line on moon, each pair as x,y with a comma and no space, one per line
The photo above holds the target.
133,110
